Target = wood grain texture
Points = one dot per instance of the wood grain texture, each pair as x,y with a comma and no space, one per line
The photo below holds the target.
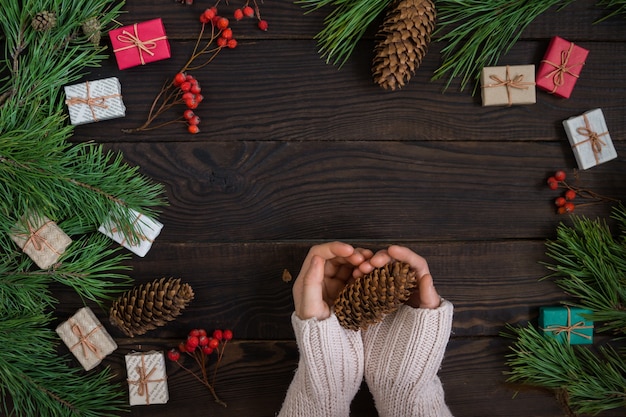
295,152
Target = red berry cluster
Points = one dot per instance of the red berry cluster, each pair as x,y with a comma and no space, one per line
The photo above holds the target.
199,345
249,11
563,203
225,38
190,90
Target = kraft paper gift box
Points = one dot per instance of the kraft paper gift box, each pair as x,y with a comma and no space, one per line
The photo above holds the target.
561,67
140,43
566,324
508,85
146,228
147,378
590,139
93,101
41,239
87,339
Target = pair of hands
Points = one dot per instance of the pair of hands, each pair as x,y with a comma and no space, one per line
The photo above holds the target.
329,267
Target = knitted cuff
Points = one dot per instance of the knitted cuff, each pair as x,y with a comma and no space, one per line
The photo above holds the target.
403,354
330,369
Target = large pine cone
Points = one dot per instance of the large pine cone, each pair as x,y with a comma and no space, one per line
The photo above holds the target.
150,305
402,42
368,299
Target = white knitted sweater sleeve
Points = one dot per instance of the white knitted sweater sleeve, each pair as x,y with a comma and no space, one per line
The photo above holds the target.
403,354
330,369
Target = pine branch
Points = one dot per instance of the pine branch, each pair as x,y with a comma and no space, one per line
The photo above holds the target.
588,383
618,6
479,32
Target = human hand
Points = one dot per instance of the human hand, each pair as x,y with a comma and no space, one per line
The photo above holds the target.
425,295
325,271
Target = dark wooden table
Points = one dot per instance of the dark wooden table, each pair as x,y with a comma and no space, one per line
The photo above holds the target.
294,151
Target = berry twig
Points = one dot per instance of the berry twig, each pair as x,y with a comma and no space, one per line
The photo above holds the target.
200,347
565,203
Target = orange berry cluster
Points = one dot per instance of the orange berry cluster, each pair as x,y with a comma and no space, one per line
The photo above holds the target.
190,89
222,24
563,203
248,11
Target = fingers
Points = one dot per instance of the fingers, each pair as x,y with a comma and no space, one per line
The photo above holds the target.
308,297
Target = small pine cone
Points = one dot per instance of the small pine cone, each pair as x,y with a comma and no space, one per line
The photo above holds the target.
44,21
91,28
370,298
150,305
402,42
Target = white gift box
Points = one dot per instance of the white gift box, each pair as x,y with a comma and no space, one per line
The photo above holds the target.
93,101
147,378
87,339
146,228
590,139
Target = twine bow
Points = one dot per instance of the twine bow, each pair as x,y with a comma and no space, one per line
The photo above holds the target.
92,102
144,378
509,83
84,342
38,241
569,328
592,137
135,42
128,232
559,71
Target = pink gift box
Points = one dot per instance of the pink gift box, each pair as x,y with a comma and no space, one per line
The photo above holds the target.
561,66
140,44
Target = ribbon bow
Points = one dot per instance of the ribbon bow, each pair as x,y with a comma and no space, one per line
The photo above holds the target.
92,102
569,328
559,71
144,378
135,42
509,83
84,342
35,239
592,137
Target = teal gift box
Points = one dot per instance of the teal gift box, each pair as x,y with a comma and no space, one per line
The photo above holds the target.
567,324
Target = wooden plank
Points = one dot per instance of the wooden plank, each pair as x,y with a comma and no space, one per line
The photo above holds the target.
254,376
255,191
266,91
239,285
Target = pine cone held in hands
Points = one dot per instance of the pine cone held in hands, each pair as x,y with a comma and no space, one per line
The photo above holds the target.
402,41
150,305
369,298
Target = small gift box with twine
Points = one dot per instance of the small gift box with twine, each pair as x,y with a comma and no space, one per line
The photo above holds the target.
140,44
566,324
93,101
147,378
509,85
41,239
146,229
87,339
561,66
590,140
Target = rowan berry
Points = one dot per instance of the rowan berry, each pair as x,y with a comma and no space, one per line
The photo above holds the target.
560,175
188,96
570,194
192,341
232,43
228,334
222,42
209,14
553,183
203,19
182,347
218,334
194,121
188,114
238,14
560,201
193,129
227,33
199,98
263,25
222,23
195,89
213,343
173,355
248,11
202,332
194,333
179,79
186,86
207,350
203,340
569,207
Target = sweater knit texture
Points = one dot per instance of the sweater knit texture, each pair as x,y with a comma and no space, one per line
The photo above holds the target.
330,369
403,354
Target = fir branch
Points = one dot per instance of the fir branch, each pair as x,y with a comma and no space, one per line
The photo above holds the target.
589,383
344,26
618,6
478,32
590,264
